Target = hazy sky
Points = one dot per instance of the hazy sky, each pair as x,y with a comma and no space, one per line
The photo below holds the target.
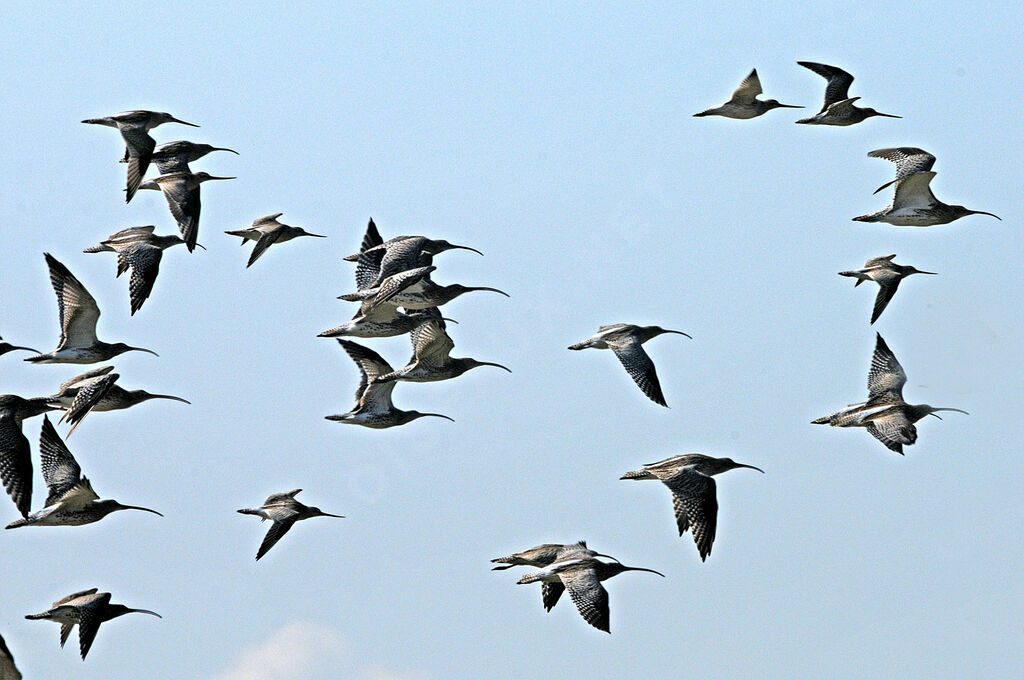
560,142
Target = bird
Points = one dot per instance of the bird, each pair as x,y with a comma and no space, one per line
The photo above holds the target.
625,340
7,347
15,457
913,203
885,415
839,107
88,609
744,102
413,289
431,355
8,671
690,479
380,321
175,156
543,556
403,253
78,315
267,231
887,274
115,398
90,388
283,510
134,127
373,401
71,500
140,250
181,189
582,577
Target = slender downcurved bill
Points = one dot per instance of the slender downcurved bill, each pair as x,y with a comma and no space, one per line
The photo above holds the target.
467,248
438,415
168,396
948,409
145,611
493,290
220,148
136,507
143,349
489,363
625,568
681,333
742,465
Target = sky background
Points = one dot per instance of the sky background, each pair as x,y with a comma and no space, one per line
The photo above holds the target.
558,141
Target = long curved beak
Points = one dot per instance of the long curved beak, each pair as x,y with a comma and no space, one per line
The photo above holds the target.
468,248
436,415
625,568
493,290
608,556
220,148
168,396
143,349
11,348
921,271
201,246
136,507
175,120
443,318
488,363
751,467
948,409
681,333
982,212
130,610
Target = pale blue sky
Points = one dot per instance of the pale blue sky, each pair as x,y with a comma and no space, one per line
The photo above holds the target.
560,142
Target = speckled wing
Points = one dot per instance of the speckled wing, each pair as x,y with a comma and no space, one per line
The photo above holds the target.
894,430
589,596
550,592
184,204
886,377
696,508
61,471
144,261
268,239
909,160
885,293
94,373
89,622
89,394
640,367
403,255
8,671
15,463
368,261
278,529
430,343
276,498
393,285
77,308
140,151
839,81
371,365
748,89
842,108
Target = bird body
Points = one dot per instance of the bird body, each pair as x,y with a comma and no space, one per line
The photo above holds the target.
626,341
78,316
913,203
543,556
378,321
406,252
413,289
140,250
71,500
283,510
181,189
267,231
115,398
373,407
887,274
689,477
175,156
88,609
839,107
744,102
885,415
134,127
581,576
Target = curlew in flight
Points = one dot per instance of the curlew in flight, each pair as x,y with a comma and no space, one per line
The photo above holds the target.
283,511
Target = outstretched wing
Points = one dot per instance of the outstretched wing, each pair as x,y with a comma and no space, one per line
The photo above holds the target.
886,377
140,152
278,529
15,463
640,367
748,89
144,260
696,508
909,160
589,596
77,308
268,239
61,471
839,81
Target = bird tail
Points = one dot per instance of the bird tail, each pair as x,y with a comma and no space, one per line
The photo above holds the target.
98,249
351,297
580,345
824,420
243,233
873,217
252,511
638,474
531,578
16,523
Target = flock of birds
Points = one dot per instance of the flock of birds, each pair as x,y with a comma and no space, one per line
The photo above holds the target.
396,295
